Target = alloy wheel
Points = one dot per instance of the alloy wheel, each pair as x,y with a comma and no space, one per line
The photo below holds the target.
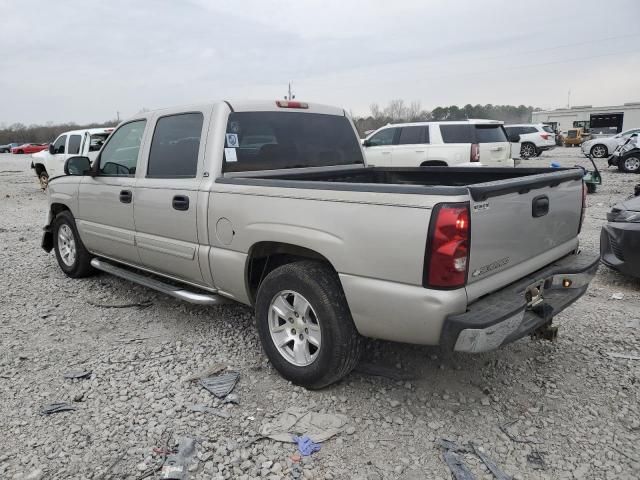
67,245
632,164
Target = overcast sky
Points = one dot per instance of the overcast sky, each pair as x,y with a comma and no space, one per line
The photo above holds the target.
84,60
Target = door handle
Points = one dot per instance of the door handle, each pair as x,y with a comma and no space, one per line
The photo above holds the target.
126,196
497,149
180,202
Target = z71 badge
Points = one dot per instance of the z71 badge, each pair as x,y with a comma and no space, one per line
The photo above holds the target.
492,266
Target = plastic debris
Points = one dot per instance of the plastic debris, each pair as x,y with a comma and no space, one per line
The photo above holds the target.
617,296
491,465
176,465
231,398
296,421
555,165
306,446
221,385
56,408
207,372
459,470
77,374
206,409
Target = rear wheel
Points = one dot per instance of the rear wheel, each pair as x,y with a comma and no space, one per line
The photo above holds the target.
630,164
72,256
598,151
528,150
305,325
43,177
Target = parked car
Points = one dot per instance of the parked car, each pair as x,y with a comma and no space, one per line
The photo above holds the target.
574,136
50,163
534,139
467,142
605,146
324,247
29,148
620,238
7,148
627,156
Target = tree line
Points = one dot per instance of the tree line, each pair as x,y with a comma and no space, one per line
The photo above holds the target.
20,133
397,111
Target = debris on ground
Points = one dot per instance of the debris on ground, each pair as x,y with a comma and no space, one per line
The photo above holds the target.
458,469
617,296
296,421
206,409
231,398
177,464
56,408
207,372
626,356
491,465
382,371
536,459
77,374
305,445
140,305
221,385
512,437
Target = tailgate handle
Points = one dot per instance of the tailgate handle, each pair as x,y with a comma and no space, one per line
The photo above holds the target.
540,206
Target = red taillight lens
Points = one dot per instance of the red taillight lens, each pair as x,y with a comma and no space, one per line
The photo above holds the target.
290,104
447,255
584,205
475,153
545,136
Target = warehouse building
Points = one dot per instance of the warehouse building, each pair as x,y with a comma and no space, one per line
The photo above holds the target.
599,120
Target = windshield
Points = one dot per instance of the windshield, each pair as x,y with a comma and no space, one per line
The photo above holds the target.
276,140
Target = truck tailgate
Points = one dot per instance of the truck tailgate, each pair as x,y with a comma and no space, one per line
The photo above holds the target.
521,219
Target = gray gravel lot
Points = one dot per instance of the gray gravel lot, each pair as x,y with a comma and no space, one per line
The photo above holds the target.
567,409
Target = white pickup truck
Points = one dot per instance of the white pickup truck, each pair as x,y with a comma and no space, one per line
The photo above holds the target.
272,204
50,163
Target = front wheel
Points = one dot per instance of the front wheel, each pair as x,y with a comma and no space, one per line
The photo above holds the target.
630,164
305,325
72,256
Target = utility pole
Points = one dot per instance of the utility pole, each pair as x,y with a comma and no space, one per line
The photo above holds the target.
569,99
291,96
118,116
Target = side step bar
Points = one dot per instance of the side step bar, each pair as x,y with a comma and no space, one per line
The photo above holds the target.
172,290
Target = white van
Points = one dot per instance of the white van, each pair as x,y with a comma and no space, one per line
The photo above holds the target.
50,163
456,143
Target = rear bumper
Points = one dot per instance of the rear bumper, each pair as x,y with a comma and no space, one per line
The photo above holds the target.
620,247
504,316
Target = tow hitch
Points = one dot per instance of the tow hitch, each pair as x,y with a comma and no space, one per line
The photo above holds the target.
545,332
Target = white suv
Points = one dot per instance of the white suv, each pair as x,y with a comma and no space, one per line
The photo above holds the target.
605,146
457,143
534,139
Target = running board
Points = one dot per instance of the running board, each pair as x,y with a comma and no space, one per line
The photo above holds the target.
172,290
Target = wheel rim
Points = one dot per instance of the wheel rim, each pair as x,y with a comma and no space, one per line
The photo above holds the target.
598,151
44,181
66,245
632,164
294,328
527,151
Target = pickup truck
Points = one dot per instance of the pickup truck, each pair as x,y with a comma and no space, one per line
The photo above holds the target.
49,162
272,204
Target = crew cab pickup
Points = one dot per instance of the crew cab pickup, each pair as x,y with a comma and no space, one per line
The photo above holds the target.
49,163
272,204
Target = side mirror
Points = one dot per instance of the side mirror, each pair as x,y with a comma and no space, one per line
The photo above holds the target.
77,166
366,143
51,149
514,138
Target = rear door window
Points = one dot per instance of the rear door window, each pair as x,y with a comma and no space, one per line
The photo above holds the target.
412,135
175,146
74,144
278,140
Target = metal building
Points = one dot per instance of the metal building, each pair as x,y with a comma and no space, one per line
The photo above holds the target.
599,120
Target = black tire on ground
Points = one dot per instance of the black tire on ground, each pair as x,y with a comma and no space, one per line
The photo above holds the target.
629,164
528,150
599,151
340,345
81,266
591,188
43,177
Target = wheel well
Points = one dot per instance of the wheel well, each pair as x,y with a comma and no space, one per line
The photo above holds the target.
264,257
434,163
57,208
40,168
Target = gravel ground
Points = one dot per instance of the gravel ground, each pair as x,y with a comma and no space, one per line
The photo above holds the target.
540,410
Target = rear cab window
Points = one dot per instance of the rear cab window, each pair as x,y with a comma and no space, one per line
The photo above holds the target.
279,140
473,133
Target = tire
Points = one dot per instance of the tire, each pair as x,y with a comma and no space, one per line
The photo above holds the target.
591,187
72,256
599,151
539,153
325,313
630,164
528,150
21,152
43,178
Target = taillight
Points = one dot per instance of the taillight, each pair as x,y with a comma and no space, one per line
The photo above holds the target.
584,205
447,255
475,153
290,104
545,136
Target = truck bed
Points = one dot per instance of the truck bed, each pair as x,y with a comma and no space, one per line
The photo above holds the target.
480,182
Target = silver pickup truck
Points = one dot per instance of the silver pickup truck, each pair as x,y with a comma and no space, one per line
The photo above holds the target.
271,204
